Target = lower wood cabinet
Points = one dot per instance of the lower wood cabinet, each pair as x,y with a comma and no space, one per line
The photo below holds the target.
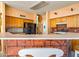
13,46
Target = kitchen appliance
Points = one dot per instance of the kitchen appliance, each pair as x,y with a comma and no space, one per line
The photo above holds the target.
61,27
29,28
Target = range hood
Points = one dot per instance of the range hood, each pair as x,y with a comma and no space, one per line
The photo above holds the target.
61,23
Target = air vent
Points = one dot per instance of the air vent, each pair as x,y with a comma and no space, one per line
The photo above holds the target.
39,5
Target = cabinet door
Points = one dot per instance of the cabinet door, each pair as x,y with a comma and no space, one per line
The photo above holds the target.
71,21
74,44
57,20
61,20
53,23
77,20
39,43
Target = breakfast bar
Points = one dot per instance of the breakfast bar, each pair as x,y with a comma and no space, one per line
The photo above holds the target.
67,35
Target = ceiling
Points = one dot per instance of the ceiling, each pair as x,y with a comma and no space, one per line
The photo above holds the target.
51,5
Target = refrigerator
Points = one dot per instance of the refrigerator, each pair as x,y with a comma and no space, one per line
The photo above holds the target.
29,28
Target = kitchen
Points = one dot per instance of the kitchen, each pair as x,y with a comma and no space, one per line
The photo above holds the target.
18,25
55,30
59,23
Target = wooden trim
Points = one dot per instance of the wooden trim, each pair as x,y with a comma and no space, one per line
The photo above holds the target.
63,17
19,17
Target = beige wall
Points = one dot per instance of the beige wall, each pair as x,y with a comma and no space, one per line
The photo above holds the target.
66,11
10,11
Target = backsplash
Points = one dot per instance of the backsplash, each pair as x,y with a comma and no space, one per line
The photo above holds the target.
13,46
70,29
15,30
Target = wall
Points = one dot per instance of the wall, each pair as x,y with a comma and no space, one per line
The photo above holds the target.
16,22
13,46
66,11
10,11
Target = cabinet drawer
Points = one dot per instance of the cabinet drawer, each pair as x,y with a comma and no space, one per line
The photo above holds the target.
11,42
58,42
29,43
13,51
39,43
47,43
21,42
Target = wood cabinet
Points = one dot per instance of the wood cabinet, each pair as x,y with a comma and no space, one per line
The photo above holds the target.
71,21
16,22
77,20
13,46
53,23
13,22
61,20
0,23
75,44
57,20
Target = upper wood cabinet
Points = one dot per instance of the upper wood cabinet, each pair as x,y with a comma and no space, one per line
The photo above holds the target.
56,20
77,20
60,20
53,23
16,22
63,19
71,21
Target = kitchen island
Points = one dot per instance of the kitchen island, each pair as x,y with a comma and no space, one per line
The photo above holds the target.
12,47
56,36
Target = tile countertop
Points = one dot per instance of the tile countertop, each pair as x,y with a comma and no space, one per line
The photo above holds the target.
52,36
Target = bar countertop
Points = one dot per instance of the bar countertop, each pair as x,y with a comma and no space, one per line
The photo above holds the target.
53,36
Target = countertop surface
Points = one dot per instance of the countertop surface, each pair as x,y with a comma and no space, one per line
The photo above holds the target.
52,36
